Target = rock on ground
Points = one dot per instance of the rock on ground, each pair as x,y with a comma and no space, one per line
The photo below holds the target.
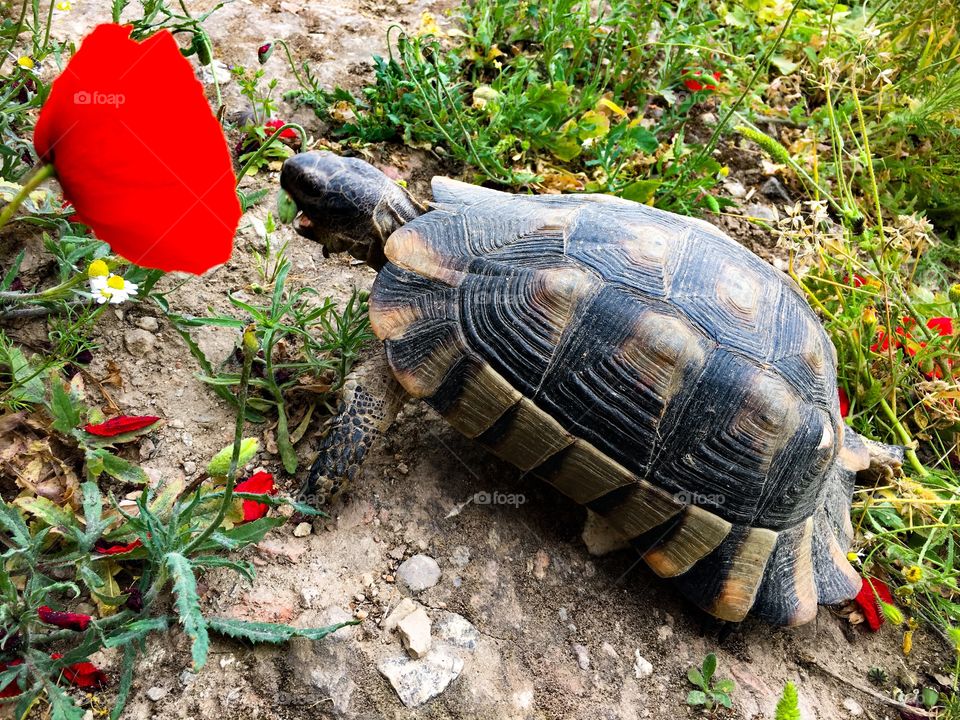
419,573
417,681
414,631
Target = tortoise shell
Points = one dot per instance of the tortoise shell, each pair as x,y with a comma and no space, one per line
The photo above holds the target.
647,366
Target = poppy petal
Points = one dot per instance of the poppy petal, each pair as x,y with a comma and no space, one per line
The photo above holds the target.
120,425
103,548
65,620
162,198
261,483
844,402
867,601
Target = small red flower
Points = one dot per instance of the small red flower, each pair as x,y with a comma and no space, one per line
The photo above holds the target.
271,126
261,483
104,548
65,620
139,153
694,85
13,688
120,425
264,52
83,674
844,402
943,325
867,601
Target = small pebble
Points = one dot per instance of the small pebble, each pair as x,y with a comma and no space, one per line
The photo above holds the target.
361,614
139,343
302,530
419,573
155,694
402,468
189,467
853,707
583,656
641,666
148,323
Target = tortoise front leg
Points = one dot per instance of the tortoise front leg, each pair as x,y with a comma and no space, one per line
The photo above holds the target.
371,399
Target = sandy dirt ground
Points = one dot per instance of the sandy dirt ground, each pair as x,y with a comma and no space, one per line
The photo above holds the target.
526,623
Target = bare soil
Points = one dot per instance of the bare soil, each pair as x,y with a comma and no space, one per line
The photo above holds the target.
520,573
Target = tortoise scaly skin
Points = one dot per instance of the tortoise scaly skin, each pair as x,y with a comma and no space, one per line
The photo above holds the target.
643,363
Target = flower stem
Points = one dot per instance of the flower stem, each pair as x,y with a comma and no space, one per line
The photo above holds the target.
32,183
269,141
250,347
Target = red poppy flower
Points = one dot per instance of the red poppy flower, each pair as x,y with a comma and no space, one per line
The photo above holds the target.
83,674
104,548
12,689
856,280
261,483
694,85
271,126
65,620
139,153
121,424
867,601
844,402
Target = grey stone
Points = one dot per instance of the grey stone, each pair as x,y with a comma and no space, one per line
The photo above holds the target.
600,537
155,694
148,323
139,343
736,189
417,681
460,556
582,655
189,467
456,630
418,573
641,666
775,190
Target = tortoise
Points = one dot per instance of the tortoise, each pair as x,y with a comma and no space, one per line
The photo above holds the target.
643,363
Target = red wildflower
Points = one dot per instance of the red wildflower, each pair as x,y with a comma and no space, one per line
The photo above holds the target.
12,689
261,483
844,402
867,600
83,674
856,280
694,85
943,325
113,127
121,424
65,620
264,52
271,126
104,548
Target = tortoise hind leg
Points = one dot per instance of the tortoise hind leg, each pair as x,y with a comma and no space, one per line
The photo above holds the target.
371,399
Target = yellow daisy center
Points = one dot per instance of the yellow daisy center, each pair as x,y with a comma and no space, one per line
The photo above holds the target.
98,268
26,62
116,282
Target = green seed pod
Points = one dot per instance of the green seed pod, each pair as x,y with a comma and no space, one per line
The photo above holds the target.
202,47
954,293
286,207
219,464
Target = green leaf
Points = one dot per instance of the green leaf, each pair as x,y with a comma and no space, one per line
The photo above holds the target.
709,667
783,64
208,561
694,676
62,706
263,632
27,385
48,511
246,534
12,522
11,275
696,697
126,680
120,469
929,696
136,630
187,602
725,685
66,417
712,203
723,699
641,191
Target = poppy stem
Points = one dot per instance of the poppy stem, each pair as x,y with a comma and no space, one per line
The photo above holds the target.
269,141
33,182
250,347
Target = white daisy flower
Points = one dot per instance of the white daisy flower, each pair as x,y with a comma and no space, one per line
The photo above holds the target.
116,290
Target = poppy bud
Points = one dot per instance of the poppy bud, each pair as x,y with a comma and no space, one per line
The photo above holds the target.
869,316
134,600
65,620
286,207
202,46
264,52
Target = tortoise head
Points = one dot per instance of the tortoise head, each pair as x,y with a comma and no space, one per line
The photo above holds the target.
346,204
